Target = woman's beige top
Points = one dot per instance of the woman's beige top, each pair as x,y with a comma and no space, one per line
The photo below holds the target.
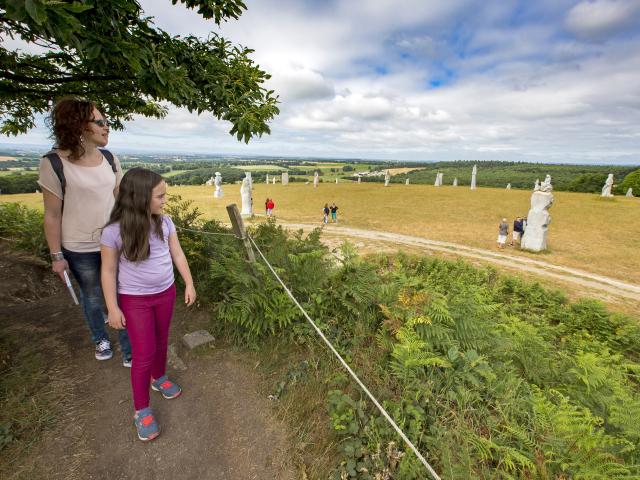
88,200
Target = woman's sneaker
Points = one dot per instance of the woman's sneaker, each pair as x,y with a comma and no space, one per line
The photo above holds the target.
103,350
146,424
166,387
126,362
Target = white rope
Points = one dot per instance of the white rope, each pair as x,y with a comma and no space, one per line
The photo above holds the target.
351,372
206,233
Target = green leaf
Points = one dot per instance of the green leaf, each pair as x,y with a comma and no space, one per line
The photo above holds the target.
36,10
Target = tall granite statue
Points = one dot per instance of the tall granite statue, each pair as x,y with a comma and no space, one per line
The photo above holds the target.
387,177
437,182
608,185
359,179
209,182
536,186
273,180
316,179
455,182
336,180
538,218
406,182
629,192
508,186
248,177
285,178
474,174
218,183
266,180
245,194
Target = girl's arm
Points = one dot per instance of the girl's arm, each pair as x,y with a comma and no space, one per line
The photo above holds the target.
53,229
180,261
108,274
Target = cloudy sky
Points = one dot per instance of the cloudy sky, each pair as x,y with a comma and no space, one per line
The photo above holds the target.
544,80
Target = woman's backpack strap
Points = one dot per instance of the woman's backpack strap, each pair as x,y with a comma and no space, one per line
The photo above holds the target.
56,164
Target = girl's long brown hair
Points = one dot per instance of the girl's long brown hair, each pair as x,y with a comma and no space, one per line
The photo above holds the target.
133,211
68,119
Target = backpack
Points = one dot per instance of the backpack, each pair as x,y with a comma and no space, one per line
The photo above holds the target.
56,164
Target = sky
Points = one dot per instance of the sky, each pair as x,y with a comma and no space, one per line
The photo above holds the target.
542,81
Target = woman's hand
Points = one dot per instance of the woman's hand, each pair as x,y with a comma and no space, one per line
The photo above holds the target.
189,295
59,266
116,319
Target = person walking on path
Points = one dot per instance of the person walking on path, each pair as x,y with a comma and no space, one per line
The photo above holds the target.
518,230
77,175
139,244
270,206
334,213
503,232
325,214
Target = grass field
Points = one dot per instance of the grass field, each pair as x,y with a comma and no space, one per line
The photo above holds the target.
587,232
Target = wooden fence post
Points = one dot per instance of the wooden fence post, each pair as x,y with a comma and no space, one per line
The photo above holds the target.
238,228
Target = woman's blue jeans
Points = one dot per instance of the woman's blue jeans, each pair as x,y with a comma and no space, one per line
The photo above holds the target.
85,267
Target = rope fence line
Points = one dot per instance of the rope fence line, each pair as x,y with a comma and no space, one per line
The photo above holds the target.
348,368
382,410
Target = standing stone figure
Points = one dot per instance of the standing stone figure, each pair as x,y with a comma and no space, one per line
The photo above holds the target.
387,177
336,180
315,180
437,182
267,179
536,186
209,182
406,182
455,182
285,178
273,180
218,183
629,192
508,186
606,189
538,218
248,176
245,194
474,173
359,179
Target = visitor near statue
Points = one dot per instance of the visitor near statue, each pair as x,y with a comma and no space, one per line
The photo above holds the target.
334,212
503,232
518,230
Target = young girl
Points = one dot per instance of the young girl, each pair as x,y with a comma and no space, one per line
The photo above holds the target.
138,246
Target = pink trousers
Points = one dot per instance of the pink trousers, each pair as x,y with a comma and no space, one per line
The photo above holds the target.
148,318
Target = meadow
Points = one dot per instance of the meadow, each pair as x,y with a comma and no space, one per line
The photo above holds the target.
600,235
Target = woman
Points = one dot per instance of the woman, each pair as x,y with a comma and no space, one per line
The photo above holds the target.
86,187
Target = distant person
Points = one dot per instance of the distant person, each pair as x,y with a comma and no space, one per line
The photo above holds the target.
270,206
334,212
139,244
503,232
518,230
325,214
84,177
266,206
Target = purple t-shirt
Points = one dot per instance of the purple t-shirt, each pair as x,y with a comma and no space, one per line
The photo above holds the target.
153,275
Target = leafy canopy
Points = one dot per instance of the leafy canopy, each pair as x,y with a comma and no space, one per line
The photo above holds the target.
108,52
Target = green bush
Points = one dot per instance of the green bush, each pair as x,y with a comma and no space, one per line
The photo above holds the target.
24,228
631,181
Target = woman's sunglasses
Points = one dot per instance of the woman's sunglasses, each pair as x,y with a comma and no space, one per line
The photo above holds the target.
101,122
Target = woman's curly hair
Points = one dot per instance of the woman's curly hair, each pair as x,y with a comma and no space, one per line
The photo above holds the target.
68,119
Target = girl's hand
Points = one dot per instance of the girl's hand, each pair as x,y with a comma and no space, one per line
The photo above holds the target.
59,266
116,319
189,295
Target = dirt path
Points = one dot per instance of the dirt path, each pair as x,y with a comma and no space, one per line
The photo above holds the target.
574,276
220,428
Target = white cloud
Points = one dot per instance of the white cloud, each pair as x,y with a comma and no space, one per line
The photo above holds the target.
598,19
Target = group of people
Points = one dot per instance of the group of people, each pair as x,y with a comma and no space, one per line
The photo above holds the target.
330,210
109,231
519,225
269,206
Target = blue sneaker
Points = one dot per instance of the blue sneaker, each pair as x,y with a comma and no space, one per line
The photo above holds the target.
166,387
103,350
146,425
126,362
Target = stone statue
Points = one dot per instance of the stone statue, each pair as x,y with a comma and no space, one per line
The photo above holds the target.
606,189
245,194
285,178
209,182
538,218
267,179
248,176
437,182
629,192
474,173
406,182
273,181
536,186
359,179
218,183
315,180
336,180
387,177
508,186
455,182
